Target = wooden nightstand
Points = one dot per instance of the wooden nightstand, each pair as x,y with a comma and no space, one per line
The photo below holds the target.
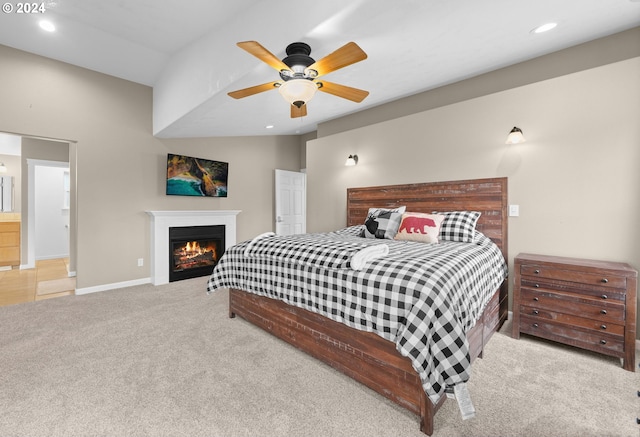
584,303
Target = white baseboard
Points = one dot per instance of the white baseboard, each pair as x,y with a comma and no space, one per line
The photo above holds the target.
113,286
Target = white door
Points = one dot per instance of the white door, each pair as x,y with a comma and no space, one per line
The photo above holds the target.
51,213
291,202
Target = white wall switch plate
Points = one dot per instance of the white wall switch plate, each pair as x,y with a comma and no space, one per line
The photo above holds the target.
140,262
514,210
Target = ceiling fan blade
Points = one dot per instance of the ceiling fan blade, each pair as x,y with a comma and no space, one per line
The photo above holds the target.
257,50
298,112
348,54
246,92
346,92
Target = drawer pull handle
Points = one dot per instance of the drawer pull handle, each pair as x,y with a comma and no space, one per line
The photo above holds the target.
536,299
537,285
604,280
603,311
535,312
536,271
535,325
603,326
604,296
603,341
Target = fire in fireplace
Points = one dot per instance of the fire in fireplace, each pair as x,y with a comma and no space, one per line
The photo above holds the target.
194,250
192,254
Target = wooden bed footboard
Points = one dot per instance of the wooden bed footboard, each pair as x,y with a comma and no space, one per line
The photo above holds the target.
363,356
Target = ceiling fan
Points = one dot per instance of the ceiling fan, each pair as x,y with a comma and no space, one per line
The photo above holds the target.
300,73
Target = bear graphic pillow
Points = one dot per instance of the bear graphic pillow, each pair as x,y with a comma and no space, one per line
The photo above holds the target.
416,226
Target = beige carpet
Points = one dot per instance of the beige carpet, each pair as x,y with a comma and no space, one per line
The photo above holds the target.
167,361
55,286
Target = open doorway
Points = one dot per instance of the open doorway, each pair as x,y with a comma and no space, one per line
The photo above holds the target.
44,172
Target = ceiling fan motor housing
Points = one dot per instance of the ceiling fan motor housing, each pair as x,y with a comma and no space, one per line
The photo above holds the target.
297,60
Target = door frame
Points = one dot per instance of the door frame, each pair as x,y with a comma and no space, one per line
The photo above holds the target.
73,219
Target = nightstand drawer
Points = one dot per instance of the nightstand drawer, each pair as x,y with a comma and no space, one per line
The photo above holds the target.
576,288
538,313
605,311
602,280
594,341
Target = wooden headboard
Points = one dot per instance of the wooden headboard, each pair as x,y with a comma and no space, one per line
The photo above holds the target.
488,196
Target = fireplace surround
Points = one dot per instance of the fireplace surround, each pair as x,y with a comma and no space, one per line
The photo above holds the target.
162,221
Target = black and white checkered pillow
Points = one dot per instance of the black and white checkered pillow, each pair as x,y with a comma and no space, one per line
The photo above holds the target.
382,223
459,226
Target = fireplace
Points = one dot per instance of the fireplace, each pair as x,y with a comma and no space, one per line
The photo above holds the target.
162,221
194,250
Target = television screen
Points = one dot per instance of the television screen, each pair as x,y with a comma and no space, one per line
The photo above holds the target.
187,176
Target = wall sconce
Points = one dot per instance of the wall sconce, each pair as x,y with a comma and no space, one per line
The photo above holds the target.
515,136
351,160
3,168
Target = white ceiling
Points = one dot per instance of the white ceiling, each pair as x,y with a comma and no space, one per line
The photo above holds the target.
186,49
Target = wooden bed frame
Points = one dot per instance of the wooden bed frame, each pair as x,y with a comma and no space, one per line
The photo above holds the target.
365,356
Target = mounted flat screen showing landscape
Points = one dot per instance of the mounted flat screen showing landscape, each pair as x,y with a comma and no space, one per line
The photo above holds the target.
188,176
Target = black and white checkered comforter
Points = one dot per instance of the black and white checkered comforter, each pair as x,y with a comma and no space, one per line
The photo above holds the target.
423,297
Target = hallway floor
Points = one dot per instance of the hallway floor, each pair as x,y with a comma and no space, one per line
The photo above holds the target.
49,279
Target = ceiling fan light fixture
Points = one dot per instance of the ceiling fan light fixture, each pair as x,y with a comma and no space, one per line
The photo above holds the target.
298,92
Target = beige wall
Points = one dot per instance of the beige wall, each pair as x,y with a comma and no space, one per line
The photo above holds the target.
576,179
303,147
121,166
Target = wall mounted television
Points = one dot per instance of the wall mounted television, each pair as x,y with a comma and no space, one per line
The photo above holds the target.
188,176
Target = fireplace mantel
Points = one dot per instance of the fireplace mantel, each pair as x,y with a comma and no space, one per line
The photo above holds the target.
161,221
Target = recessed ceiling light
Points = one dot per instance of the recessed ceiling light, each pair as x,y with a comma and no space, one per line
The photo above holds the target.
269,126
47,25
544,28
